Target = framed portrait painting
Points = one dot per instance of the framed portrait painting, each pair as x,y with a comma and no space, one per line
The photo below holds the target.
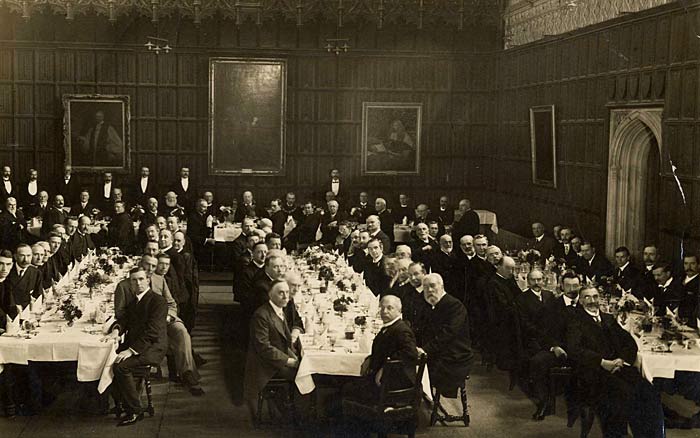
96,132
543,144
391,136
247,98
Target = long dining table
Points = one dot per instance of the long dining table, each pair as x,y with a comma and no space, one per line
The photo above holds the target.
46,336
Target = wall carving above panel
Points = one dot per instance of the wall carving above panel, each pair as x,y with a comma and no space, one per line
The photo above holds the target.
457,13
531,20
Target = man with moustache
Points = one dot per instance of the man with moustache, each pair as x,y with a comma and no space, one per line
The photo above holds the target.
423,247
386,221
468,222
603,354
143,188
500,295
646,286
54,215
376,278
626,275
13,226
445,337
29,191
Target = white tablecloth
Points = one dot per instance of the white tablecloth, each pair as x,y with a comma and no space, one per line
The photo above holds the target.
654,364
488,218
228,233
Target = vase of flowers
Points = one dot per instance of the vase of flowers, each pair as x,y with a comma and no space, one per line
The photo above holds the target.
71,311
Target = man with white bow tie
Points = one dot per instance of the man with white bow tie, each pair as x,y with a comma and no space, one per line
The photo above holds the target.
7,187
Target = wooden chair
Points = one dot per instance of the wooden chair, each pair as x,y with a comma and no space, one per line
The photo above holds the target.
559,379
143,373
397,408
272,391
440,415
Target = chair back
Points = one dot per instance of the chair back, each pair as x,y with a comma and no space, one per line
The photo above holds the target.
396,389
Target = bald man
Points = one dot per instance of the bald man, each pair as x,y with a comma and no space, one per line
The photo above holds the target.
330,222
544,244
500,295
395,341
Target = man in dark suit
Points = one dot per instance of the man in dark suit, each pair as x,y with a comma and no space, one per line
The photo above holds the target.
625,275
199,229
343,240
143,189
403,213
334,185
386,222
29,191
691,287
273,270
68,186
248,274
669,292
423,215
647,286
54,215
603,354
445,337
531,304
13,226
423,247
144,325
173,206
468,222
271,350
594,266
500,294
412,301
443,262
374,227
25,281
80,242
8,307
395,341
565,251
184,189
445,212
120,231
8,188
103,192
249,208
84,207
330,223
40,207
542,243
360,211
376,278
305,230
177,271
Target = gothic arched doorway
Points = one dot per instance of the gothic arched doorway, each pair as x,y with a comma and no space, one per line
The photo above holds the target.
634,132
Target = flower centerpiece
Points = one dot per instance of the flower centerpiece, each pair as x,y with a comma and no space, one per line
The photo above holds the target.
531,256
341,304
70,310
361,321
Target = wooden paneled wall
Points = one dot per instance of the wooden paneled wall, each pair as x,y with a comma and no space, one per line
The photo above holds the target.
47,56
643,59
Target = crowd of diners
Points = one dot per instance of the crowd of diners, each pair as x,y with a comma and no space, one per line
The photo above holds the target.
446,291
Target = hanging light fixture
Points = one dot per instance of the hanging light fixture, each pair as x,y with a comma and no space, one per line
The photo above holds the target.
156,45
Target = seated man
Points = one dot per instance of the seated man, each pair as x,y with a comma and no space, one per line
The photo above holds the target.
375,277
445,337
271,352
603,354
80,242
144,325
25,281
179,341
395,341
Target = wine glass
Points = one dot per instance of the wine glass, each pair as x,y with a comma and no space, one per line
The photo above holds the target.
332,337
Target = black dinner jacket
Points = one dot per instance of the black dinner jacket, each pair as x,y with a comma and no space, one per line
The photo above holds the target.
244,211
25,287
13,230
589,342
571,259
468,224
8,306
25,199
36,210
259,292
446,266
187,197
361,212
375,278
599,267
400,213
144,323
419,255
556,318
243,283
306,229
546,246
530,307
446,217
70,191
120,232
629,277
4,194
141,197
395,342
178,272
52,216
79,245
386,224
384,238
197,229
329,234
78,210
328,187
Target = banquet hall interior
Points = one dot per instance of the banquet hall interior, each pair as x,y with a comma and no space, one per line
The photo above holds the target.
340,218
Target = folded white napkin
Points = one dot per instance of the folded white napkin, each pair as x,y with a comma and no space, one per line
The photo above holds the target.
26,313
12,325
37,305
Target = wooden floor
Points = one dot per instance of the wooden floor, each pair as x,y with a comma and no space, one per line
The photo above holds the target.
495,411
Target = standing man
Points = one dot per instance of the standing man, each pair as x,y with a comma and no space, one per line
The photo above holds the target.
144,188
199,229
445,212
29,192
68,187
7,186
334,186
184,189
104,192
544,244
468,221
386,220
